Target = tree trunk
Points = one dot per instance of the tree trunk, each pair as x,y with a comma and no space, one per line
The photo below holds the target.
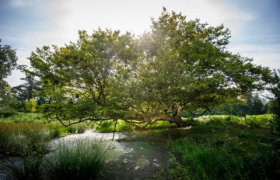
177,118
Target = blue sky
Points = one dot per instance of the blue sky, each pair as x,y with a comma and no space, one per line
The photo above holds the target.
28,24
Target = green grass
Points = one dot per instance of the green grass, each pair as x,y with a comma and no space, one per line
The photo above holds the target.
108,126
220,150
25,118
80,159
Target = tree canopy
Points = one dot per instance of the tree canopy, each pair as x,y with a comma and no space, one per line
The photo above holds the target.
177,65
8,62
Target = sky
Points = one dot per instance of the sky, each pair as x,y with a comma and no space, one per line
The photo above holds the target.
28,24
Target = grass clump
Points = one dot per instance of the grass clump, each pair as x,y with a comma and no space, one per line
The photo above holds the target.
30,168
75,160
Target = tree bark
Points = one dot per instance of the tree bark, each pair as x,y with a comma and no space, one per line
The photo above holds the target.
177,118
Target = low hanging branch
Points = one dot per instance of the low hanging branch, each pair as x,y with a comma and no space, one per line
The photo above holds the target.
197,115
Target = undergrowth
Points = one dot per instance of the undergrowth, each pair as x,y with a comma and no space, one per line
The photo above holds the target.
224,151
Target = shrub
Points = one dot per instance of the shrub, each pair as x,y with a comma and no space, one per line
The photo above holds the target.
7,112
30,106
58,130
106,126
79,159
70,130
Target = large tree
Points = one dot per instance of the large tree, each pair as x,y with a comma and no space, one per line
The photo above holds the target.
177,65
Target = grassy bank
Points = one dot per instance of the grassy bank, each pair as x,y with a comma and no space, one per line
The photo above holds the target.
219,150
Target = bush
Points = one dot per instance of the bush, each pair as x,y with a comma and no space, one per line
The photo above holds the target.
58,130
30,106
7,112
75,160
70,130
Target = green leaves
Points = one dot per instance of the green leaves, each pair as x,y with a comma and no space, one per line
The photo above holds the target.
179,64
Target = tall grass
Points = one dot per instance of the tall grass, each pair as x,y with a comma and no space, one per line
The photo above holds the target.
21,117
30,168
202,162
223,151
21,139
75,160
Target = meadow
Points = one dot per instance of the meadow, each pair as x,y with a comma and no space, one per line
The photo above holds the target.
213,147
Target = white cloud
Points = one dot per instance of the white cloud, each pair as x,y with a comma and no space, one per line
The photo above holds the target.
268,56
66,17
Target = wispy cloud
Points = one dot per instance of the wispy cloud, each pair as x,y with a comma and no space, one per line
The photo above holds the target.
22,3
268,56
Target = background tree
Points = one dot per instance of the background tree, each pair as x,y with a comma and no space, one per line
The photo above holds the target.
31,89
275,101
250,104
8,62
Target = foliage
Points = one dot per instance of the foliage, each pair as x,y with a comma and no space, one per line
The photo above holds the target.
80,159
80,128
8,62
30,106
58,130
178,65
22,139
275,101
21,117
8,102
108,126
30,168
222,151
29,90
255,121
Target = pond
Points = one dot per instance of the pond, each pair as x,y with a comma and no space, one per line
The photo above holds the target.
127,159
